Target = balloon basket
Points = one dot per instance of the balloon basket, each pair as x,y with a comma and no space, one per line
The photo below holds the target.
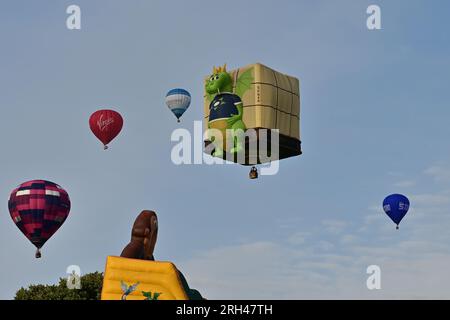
38,254
105,147
178,120
253,174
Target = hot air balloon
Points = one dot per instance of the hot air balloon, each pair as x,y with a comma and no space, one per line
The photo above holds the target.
396,206
106,125
178,100
39,208
251,115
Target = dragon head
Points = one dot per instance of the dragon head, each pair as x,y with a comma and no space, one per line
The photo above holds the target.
219,81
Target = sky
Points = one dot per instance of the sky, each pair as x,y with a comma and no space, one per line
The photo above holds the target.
374,121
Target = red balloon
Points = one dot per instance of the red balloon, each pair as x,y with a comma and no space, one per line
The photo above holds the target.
106,125
39,208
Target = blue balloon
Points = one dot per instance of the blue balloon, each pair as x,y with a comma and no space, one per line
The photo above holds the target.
178,100
396,206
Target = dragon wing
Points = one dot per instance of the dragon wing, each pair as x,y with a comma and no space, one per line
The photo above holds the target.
244,82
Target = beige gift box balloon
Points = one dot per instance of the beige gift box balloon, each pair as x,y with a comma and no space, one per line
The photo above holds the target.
272,102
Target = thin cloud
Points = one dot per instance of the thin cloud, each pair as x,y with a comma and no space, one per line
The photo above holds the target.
298,238
270,270
405,184
334,226
429,199
331,262
438,173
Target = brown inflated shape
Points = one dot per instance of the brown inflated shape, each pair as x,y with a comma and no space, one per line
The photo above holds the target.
143,237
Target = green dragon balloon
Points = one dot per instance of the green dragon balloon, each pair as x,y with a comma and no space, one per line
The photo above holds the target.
226,108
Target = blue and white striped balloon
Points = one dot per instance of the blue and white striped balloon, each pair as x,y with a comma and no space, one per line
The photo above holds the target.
178,100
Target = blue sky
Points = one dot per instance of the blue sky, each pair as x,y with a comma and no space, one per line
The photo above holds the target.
374,121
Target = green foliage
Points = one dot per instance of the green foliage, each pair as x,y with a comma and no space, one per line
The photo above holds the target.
148,295
91,287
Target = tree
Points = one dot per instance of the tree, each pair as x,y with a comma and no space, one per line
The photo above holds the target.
91,287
